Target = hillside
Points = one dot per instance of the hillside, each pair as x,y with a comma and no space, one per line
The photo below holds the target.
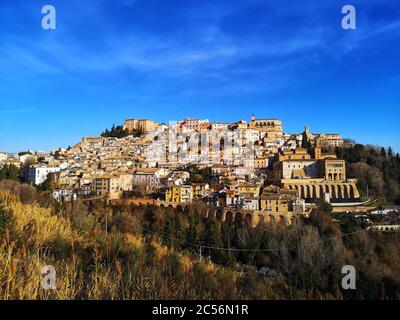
152,253
93,265
376,169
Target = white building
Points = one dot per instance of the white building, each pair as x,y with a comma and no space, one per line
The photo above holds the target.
3,156
38,174
219,126
64,195
250,203
149,176
25,157
289,169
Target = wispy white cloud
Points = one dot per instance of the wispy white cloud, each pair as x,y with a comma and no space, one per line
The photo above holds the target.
8,110
212,52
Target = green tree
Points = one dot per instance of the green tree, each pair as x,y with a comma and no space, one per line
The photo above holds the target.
118,132
3,172
212,238
45,185
13,173
22,153
9,171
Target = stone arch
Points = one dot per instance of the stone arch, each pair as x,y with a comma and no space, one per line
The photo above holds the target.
351,192
333,192
302,192
230,216
179,208
340,191
249,219
308,191
297,188
238,218
313,192
305,189
282,219
346,191
195,210
272,219
327,189
204,213
220,215
212,213
186,210
320,191
335,176
261,219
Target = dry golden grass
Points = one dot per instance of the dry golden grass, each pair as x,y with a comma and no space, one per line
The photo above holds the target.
89,266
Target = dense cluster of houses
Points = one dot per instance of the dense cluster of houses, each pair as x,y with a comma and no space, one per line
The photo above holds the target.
238,156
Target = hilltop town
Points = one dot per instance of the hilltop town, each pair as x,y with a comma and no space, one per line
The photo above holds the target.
253,166
236,206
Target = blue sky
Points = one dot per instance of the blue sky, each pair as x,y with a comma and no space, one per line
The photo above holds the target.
221,60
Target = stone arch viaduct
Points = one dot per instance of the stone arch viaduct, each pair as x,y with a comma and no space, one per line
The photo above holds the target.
251,217
317,190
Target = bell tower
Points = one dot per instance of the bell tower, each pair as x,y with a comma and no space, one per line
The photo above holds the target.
307,133
317,151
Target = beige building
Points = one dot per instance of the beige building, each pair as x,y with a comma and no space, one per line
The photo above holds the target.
150,177
144,125
322,177
276,203
112,186
272,127
334,170
324,139
105,185
93,140
199,190
298,154
250,189
242,124
329,139
281,201
260,162
193,124
179,194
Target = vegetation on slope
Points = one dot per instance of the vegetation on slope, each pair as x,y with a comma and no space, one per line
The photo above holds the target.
120,132
153,253
375,168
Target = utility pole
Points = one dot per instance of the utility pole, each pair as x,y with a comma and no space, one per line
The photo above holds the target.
106,222
200,253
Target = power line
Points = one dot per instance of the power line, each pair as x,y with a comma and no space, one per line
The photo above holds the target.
234,249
